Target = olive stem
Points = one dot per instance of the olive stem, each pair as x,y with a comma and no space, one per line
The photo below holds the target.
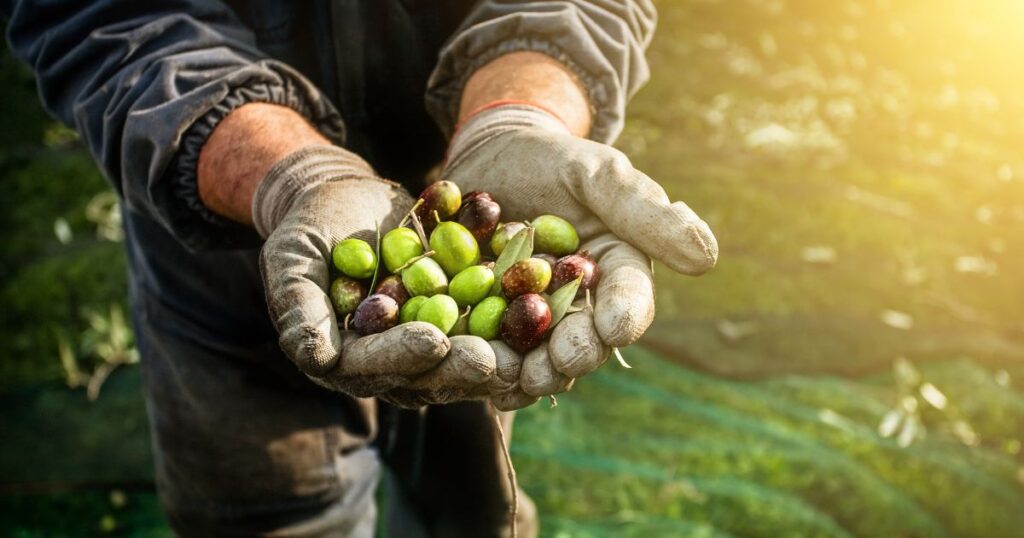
405,219
345,323
437,217
418,226
514,509
618,355
411,261
553,400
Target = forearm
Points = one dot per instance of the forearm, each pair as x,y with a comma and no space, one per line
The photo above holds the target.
240,151
532,77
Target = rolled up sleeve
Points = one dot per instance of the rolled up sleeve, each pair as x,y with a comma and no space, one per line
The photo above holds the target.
145,83
602,41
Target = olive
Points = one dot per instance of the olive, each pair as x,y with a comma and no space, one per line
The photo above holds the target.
355,258
461,325
346,294
444,197
531,275
377,313
411,308
454,247
525,322
569,268
471,285
425,277
399,246
503,234
439,311
480,215
546,257
485,319
392,287
554,235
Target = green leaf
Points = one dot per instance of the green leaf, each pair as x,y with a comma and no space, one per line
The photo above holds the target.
518,248
562,299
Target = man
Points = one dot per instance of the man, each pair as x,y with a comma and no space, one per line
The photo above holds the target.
224,123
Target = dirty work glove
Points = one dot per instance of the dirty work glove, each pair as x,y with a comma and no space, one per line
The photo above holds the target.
307,203
532,165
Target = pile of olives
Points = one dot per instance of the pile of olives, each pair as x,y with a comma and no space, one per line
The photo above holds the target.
453,263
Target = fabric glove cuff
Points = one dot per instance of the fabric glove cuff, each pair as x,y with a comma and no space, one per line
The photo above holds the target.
296,174
495,119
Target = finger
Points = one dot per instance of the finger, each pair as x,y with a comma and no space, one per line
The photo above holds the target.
575,347
508,365
503,388
624,299
407,349
469,363
637,210
539,377
295,276
510,401
468,366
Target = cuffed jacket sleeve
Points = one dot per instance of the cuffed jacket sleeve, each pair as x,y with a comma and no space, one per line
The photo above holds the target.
144,83
602,41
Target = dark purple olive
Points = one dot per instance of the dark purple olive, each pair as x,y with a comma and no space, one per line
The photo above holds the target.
569,268
531,275
392,287
474,195
526,322
480,215
376,314
444,197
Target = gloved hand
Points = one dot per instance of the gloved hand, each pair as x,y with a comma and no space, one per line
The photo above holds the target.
307,203
532,165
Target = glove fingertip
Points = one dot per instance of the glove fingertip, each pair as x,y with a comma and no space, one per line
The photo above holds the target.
313,352
575,347
694,249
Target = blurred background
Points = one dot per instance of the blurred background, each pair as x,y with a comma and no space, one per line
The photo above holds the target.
853,367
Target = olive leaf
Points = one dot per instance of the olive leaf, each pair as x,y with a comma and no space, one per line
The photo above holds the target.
518,248
562,299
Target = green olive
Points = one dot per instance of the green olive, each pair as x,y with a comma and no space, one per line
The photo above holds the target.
454,247
485,319
355,258
440,311
471,285
503,234
425,277
399,246
461,325
554,235
411,308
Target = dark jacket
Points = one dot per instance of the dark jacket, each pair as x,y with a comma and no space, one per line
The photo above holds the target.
145,82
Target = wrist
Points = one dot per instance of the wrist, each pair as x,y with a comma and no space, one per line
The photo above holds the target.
242,148
297,173
499,117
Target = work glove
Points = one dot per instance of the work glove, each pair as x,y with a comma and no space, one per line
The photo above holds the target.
306,204
532,165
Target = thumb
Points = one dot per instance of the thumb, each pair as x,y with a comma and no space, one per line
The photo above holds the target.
637,210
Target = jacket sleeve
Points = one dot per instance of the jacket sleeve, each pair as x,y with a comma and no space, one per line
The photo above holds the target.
602,41
144,83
